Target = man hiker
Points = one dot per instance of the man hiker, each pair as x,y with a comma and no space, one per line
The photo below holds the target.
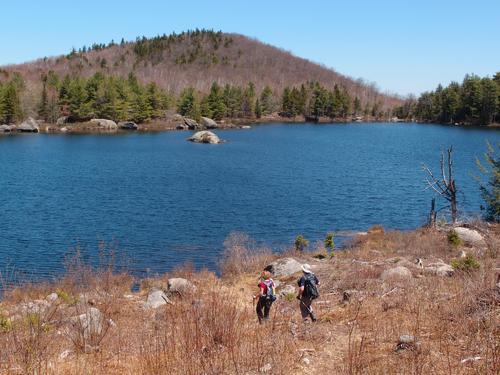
308,291
266,296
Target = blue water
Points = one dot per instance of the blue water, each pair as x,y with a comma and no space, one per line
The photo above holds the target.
164,201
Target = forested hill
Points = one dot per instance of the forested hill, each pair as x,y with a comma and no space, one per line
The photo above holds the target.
197,59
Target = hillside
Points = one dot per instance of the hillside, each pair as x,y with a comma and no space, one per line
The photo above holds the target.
194,59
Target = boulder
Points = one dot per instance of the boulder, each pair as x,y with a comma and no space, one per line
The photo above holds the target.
64,130
284,267
407,342
208,123
104,123
91,323
191,124
181,286
128,125
156,298
182,127
52,297
439,269
470,237
4,129
396,273
62,120
287,290
205,137
245,127
29,126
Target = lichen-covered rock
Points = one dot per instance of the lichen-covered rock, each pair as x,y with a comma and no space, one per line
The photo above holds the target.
28,126
178,285
440,269
205,137
470,237
104,123
396,273
208,123
128,125
156,298
284,267
191,124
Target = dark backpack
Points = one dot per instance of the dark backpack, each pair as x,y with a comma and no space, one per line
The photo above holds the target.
270,290
310,287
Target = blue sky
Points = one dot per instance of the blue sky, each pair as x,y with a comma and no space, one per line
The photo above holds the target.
403,46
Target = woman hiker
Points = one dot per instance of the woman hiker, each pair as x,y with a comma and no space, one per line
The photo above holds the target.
266,296
308,291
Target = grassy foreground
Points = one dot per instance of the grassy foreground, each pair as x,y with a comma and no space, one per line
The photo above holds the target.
451,319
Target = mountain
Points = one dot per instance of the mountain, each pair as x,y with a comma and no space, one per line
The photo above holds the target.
197,58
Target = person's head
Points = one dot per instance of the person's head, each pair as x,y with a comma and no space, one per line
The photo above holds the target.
266,275
306,268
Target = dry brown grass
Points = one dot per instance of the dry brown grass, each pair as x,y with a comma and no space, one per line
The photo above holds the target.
214,330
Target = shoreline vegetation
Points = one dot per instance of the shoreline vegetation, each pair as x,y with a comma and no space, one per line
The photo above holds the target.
424,301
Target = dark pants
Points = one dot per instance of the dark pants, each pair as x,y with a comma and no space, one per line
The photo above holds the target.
263,308
306,309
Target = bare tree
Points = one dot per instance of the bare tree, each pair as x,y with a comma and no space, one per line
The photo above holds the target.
444,185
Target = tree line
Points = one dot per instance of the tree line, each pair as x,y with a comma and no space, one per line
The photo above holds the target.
475,101
126,99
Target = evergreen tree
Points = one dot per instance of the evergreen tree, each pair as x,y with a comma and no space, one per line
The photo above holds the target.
248,101
215,101
357,106
188,104
267,101
10,107
258,109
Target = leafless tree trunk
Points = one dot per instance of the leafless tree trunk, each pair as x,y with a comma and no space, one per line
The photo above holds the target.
445,184
432,214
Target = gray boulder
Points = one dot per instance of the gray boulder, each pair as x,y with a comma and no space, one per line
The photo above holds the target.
407,342
29,126
104,123
208,123
287,290
191,124
128,125
396,273
5,129
91,323
182,127
284,267
52,297
439,269
62,120
470,237
180,286
205,137
156,298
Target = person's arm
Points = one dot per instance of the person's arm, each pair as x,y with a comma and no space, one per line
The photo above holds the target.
317,280
261,292
301,288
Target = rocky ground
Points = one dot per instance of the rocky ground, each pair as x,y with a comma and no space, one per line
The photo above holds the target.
420,302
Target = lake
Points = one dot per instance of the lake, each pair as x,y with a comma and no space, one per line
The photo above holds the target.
164,201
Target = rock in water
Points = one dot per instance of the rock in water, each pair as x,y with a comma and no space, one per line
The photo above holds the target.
29,126
396,273
128,125
191,124
204,137
104,123
208,123
284,267
470,236
4,129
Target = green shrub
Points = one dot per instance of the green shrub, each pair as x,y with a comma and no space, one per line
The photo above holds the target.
66,297
329,243
290,297
5,323
467,264
301,243
453,238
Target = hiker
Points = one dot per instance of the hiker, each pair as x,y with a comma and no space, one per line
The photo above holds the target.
266,296
308,292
